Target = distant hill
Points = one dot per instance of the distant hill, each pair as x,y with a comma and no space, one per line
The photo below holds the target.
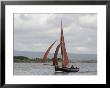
72,57
28,54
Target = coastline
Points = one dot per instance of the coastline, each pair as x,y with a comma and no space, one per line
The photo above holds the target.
23,59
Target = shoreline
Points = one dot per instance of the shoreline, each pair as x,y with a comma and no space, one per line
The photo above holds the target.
23,59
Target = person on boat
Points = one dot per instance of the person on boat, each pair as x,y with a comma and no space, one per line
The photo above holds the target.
72,66
76,67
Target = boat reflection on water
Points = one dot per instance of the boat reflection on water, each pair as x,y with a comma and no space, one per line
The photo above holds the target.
60,73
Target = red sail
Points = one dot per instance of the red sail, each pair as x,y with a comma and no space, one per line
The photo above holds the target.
45,57
55,59
65,60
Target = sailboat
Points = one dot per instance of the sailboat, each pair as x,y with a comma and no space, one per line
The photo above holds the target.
65,61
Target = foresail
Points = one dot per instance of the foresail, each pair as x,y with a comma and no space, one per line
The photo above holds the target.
55,59
45,57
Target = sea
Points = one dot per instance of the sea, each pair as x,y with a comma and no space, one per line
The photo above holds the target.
48,69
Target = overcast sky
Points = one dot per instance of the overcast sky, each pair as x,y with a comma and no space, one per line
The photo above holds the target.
36,32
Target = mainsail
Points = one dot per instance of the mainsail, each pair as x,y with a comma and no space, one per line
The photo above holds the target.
45,57
55,60
65,60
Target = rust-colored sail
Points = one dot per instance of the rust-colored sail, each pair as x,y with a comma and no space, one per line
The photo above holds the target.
45,57
65,60
55,59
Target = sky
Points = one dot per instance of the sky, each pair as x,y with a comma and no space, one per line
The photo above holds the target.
36,32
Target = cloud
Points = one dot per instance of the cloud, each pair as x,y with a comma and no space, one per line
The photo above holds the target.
35,32
88,20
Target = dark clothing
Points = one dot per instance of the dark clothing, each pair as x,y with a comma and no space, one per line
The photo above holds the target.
72,66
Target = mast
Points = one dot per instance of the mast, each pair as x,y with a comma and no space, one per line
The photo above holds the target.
65,60
55,59
45,57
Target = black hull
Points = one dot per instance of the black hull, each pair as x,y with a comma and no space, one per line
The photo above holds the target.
67,69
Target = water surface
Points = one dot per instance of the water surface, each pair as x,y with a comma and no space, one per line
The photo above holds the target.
41,69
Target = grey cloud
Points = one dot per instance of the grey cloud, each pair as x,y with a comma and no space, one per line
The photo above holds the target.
35,32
